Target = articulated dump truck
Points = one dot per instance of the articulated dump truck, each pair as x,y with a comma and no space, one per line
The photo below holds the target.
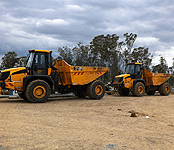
139,81
39,78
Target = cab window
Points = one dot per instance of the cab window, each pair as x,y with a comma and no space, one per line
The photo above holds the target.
130,69
40,60
137,69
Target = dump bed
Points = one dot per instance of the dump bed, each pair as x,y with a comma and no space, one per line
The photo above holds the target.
156,78
78,75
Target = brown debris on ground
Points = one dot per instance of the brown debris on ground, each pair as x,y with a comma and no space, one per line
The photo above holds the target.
134,113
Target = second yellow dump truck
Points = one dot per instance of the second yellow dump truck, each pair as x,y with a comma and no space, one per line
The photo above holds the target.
139,81
39,78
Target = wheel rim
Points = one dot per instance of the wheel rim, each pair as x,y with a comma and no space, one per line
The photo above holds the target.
39,91
167,88
98,90
140,89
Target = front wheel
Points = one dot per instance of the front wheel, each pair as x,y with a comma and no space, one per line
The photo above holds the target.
96,90
139,89
165,89
38,91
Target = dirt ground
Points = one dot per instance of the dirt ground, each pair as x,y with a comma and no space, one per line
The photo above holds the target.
69,123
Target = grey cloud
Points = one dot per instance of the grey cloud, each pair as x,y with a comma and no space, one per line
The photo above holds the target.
47,24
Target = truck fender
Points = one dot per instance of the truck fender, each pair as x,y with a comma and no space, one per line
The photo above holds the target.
41,77
139,80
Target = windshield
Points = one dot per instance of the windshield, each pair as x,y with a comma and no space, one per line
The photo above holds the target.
130,69
30,60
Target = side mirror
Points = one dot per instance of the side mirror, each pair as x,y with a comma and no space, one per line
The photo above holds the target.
35,67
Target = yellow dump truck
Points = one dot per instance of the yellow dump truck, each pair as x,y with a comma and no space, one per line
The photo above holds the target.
39,78
139,81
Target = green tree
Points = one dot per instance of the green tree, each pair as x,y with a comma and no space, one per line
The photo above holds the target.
80,54
22,61
130,54
128,45
102,48
161,67
66,54
141,55
105,51
9,60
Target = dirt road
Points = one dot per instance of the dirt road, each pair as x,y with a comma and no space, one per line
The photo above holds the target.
70,123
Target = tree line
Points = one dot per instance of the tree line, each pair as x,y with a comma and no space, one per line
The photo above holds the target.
103,50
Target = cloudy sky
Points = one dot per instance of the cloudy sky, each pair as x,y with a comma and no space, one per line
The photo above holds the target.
48,24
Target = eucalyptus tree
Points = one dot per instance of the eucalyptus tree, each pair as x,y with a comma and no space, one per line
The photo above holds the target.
9,60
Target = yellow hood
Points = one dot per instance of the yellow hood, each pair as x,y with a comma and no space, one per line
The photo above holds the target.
12,70
122,75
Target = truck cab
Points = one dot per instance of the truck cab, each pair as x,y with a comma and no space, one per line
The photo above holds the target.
139,81
39,78
39,62
37,71
133,71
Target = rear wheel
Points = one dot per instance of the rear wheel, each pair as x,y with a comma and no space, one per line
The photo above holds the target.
38,91
139,89
96,90
123,91
151,92
165,89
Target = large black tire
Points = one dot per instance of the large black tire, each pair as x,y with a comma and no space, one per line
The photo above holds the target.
151,92
96,90
139,89
165,89
38,91
123,91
